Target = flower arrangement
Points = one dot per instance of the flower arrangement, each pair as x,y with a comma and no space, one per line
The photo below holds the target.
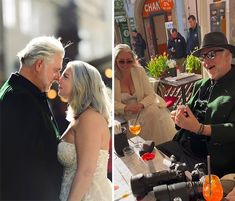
159,65
193,64
171,63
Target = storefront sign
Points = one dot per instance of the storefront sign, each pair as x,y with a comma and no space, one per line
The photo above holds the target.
151,6
119,8
125,34
166,5
132,23
218,17
154,6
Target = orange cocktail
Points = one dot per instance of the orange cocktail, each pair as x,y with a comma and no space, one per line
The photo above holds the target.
135,129
216,193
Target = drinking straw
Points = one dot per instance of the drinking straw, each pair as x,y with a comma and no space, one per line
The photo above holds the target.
209,172
137,117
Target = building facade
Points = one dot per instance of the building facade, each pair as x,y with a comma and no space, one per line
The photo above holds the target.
25,19
154,18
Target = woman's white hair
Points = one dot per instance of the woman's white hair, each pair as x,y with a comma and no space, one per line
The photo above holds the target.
43,47
88,90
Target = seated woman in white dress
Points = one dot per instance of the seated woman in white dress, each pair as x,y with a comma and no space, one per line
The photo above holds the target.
83,150
134,93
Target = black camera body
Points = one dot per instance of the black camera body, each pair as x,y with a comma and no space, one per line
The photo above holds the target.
142,184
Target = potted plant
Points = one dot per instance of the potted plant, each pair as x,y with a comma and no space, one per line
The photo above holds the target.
193,64
157,66
160,66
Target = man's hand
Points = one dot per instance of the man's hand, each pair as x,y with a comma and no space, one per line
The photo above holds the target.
185,119
231,195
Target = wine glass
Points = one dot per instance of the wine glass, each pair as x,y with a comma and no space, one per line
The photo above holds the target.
215,192
135,128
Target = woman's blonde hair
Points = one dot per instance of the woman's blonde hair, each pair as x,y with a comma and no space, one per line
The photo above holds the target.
117,50
88,90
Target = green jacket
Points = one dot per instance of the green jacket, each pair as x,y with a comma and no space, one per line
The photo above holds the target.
221,116
28,143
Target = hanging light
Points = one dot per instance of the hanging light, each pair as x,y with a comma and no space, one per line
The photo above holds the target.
51,94
108,72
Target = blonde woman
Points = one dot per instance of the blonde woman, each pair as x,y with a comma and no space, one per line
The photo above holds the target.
133,93
83,150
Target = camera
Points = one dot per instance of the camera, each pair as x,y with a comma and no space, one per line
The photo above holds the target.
142,184
200,108
183,191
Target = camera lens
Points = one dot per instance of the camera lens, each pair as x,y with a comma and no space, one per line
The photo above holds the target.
185,191
142,184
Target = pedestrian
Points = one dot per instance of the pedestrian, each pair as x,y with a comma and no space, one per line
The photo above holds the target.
193,35
139,47
29,169
177,48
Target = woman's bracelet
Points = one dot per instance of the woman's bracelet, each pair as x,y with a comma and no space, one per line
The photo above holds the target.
200,130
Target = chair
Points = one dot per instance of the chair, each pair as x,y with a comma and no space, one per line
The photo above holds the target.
162,91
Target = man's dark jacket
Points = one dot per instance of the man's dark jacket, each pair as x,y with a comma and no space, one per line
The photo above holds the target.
220,114
139,46
177,44
193,39
28,143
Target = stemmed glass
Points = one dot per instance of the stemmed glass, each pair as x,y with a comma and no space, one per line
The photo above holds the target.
135,128
213,192
212,188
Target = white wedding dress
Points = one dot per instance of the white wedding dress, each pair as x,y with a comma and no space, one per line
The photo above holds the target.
100,189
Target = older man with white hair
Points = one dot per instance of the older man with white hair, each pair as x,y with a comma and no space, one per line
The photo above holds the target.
207,123
29,134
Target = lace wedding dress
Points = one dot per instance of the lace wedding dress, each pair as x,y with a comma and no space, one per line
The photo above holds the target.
100,188
158,125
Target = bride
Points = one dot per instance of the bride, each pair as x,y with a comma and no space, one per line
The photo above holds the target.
83,150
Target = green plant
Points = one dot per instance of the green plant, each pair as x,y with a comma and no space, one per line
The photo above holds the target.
193,64
157,65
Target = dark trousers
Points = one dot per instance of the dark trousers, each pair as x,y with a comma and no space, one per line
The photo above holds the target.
181,154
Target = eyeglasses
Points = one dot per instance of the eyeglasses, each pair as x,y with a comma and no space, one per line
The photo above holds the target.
125,62
210,55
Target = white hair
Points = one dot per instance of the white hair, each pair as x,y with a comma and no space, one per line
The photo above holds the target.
88,90
43,47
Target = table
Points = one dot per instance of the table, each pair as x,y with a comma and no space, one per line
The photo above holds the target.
125,167
181,86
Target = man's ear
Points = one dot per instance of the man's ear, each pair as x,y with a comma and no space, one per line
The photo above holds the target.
39,63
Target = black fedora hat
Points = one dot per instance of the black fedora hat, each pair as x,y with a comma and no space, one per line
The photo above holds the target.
215,39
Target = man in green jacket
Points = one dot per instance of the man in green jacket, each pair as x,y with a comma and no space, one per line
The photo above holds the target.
29,169
207,123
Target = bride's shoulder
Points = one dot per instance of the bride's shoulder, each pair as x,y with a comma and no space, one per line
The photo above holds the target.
90,115
90,119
